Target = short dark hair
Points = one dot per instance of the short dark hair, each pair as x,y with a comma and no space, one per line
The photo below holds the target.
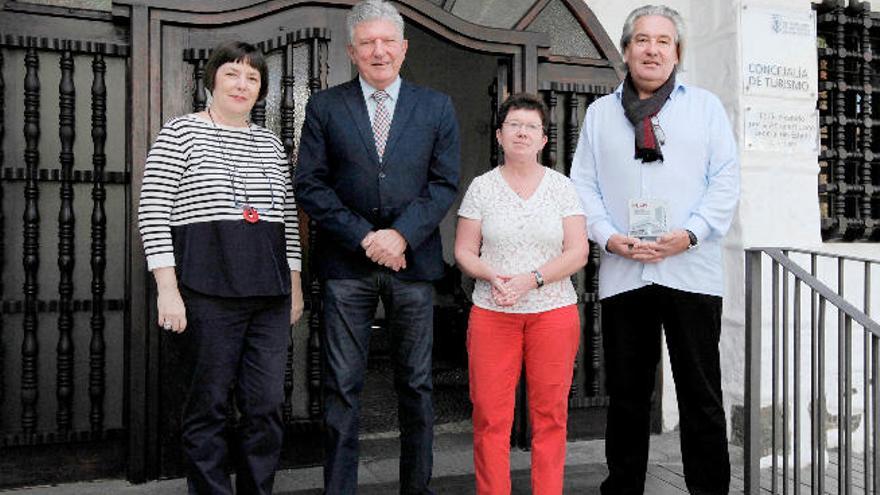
237,52
523,101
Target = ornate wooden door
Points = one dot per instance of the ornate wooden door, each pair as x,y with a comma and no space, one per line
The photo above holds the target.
63,217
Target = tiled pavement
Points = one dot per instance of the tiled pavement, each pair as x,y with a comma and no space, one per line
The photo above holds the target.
453,470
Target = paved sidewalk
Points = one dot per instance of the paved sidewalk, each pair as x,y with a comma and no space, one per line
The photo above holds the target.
453,470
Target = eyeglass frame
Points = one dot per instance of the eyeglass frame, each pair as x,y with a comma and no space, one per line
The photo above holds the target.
518,126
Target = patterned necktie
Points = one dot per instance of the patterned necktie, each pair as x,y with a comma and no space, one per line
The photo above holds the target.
381,121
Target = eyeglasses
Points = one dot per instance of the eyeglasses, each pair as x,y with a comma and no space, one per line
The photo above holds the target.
519,126
658,131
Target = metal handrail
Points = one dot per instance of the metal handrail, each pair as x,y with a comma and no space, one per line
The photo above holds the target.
813,252
823,290
820,294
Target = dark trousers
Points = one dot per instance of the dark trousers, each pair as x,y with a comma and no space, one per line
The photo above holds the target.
631,324
240,341
349,308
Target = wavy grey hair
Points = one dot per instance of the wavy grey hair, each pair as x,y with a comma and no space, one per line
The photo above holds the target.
373,10
660,10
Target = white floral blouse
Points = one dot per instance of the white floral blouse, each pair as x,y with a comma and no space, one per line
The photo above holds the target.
520,235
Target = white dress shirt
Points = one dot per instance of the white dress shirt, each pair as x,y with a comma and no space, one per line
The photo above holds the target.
393,91
698,178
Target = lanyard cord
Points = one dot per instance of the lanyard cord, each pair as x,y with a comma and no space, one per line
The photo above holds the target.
233,172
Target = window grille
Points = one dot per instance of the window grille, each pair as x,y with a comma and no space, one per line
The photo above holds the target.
848,34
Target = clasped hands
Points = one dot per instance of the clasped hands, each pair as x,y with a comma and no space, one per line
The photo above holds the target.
508,289
669,244
386,247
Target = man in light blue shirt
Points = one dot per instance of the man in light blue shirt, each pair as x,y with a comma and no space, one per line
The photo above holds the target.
656,169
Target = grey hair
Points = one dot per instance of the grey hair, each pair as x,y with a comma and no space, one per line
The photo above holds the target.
648,10
373,10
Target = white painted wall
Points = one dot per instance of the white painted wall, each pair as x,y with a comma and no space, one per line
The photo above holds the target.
779,203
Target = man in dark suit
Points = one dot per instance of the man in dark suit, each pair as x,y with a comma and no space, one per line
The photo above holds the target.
378,169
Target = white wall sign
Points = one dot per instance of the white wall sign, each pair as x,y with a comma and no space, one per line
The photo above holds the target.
779,52
779,129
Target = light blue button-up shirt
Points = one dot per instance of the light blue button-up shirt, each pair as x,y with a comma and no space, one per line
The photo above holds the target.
698,179
393,91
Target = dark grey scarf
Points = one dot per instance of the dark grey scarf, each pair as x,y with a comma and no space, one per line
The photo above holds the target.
639,113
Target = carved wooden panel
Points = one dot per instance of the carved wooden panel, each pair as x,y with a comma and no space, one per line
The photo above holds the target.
60,369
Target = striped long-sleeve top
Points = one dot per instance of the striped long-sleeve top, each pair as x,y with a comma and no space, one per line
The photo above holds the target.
198,180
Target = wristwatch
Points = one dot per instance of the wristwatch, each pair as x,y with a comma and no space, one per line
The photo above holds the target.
539,279
694,242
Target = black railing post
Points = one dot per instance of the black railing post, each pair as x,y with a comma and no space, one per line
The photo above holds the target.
843,465
796,417
815,428
821,409
774,374
752,399
872,441
786,373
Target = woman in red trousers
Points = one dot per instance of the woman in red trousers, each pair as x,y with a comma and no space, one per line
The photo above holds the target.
521,234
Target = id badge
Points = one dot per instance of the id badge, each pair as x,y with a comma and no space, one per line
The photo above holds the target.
647,218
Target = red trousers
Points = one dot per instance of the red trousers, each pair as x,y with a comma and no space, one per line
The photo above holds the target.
498,344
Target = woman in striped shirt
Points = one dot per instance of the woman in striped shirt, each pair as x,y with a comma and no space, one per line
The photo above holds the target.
219,226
